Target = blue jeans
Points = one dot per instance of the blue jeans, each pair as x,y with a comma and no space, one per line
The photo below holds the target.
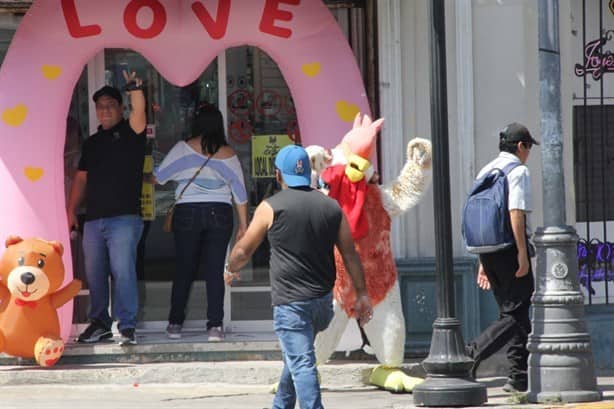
296,325
110,246
200,229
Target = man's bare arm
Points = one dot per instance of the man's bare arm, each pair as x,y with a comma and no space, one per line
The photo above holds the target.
77,193
482,279
247,245
138,119
351,260
520,236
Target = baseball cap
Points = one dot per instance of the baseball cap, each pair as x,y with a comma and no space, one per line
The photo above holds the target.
516,132
108,91
293,163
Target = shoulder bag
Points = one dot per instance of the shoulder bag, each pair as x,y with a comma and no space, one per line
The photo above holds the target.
167,227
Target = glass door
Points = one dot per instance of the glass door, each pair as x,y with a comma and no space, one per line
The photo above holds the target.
261,120
170,110
249,89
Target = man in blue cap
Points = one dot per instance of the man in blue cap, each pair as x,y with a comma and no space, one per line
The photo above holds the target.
303,226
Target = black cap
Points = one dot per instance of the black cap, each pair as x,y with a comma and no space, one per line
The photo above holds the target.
515,132
109,92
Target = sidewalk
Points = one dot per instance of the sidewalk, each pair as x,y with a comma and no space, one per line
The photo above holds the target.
231,385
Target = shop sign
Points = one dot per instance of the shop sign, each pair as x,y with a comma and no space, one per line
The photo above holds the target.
596,60
150,131
264,150
216,27
148,210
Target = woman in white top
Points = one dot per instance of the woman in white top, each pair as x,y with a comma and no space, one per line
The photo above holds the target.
203,218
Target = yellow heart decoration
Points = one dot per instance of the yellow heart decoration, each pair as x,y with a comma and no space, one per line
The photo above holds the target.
346,111
15,116
34,174
312,70
51,72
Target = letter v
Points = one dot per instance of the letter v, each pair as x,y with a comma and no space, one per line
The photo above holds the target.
215,28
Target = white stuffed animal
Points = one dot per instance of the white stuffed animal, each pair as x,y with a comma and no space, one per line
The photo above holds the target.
320,159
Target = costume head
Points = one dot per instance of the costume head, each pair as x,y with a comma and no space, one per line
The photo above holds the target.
357,148
293,163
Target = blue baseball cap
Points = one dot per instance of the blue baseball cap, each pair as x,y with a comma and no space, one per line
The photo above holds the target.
294,165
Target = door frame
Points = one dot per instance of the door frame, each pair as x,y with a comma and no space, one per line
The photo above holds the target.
96,80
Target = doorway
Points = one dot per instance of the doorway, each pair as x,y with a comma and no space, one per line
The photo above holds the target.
250,91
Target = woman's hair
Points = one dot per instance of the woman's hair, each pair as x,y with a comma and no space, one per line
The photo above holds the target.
209,123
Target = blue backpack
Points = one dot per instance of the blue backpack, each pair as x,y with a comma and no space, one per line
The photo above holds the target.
486,220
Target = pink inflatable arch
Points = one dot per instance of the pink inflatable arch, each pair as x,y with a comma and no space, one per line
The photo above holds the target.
180,38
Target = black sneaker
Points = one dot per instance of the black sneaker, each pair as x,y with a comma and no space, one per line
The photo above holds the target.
515,385
127,337
95,332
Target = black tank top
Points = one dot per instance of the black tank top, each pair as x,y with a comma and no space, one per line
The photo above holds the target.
302,238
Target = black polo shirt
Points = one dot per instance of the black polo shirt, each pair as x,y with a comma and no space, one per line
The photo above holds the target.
113,160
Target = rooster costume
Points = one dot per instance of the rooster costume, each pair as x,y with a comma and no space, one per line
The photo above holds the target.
368,208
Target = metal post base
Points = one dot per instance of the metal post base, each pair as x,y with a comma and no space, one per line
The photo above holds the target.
448,382
561,364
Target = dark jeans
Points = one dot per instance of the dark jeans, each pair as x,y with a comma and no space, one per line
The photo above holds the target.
513,296
200,229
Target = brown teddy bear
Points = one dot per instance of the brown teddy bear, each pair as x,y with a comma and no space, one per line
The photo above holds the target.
31,273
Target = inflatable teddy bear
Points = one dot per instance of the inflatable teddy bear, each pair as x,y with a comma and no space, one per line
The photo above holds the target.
31,273
368,208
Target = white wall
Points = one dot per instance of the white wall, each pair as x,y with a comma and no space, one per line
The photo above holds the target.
404,94
506,75
499,43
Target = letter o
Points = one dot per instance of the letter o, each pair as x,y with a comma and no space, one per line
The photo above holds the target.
159,18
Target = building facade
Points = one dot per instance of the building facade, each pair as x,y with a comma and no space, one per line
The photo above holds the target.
492,56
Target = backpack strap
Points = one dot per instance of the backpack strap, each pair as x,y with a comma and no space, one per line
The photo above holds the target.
511,166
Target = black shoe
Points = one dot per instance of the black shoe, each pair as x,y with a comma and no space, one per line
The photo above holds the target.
515,385
95,332
127,337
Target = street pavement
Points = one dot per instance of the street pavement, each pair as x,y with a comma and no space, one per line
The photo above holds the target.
229,396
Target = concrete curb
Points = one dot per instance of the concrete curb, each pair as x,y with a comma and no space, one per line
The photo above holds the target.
334,375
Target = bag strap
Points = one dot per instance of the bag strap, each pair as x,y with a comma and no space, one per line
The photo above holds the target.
510,166
192,179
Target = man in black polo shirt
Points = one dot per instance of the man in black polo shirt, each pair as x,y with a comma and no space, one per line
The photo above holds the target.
110,176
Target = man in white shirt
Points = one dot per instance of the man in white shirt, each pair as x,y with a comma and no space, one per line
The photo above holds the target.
508,271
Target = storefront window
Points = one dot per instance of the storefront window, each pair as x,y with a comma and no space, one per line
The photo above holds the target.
170,111
261,120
